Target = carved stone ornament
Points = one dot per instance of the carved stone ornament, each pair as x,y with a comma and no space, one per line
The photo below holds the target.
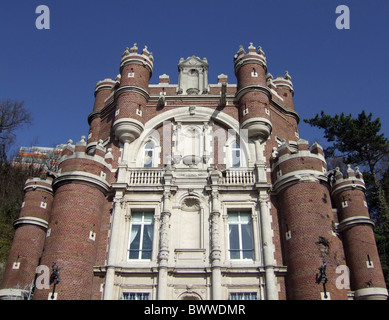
190,204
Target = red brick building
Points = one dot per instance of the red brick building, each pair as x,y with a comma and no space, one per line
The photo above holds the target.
195,191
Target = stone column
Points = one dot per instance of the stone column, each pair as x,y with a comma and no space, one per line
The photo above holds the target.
163,255
113,246
215,248
215,237
268,247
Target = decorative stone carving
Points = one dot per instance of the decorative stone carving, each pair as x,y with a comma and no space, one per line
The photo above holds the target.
193,76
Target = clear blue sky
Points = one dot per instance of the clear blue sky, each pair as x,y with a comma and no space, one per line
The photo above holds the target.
55,71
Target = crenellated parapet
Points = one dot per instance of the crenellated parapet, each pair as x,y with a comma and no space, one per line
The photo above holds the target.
352,180
76,165
283,87
132,57
255,61
298,162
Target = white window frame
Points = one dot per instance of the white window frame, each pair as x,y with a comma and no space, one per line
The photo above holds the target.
152,154
232,151
142,223
240,223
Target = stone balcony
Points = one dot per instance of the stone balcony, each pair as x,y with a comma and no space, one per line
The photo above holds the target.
153,178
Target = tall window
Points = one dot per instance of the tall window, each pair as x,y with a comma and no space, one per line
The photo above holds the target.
148,154
235,154
141,236
240,235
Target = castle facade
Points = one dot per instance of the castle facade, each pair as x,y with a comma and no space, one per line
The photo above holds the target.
195,191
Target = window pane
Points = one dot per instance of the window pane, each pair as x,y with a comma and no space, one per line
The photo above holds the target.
134,254
136,217
234,237
245,217
148,159
247,236
149,145
135,242
147,237
236,158
235,145
232,217
148,217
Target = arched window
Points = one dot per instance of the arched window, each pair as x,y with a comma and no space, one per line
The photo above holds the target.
148,155
235,155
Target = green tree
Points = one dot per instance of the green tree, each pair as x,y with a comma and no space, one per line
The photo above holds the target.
359,141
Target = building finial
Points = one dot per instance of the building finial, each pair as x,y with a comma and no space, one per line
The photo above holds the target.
126,52
134,49
260,51
287,76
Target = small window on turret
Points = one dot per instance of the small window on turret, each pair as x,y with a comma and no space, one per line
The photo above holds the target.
254,73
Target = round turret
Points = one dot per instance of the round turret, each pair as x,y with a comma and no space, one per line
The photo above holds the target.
103,90
306,220
80,191
356,229
252,93
132,94
285,90
29,238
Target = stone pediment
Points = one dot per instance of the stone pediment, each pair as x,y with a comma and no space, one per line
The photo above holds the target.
193,61
193,76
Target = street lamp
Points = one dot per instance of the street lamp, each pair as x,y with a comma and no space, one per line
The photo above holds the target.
321,277
54,277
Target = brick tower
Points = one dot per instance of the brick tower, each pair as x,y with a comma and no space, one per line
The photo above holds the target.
306,222
73,232
356,230
29,238
132,95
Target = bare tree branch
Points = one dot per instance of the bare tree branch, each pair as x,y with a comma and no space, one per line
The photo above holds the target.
13,116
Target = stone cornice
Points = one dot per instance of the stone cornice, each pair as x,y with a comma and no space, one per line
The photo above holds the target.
32,221
294,177
353,221
82,177
135,89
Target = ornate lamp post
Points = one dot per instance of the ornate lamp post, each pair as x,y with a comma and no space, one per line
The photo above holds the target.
321,277
54,277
